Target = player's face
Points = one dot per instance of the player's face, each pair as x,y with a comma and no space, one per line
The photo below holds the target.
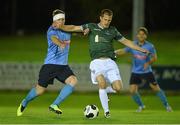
141,36
60,22
105,20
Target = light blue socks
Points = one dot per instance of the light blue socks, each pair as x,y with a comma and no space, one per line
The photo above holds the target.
30,96
163,98
64,93
137,98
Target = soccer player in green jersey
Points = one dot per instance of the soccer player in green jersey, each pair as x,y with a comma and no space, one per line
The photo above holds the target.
103,67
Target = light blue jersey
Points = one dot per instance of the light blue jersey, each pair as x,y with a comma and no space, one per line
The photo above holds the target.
139,58
55,54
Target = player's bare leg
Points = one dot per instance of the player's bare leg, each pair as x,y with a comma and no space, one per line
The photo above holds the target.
34,92
160,93
136,97
117,85
103,95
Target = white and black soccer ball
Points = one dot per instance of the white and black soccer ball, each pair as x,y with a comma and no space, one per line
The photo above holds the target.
91,111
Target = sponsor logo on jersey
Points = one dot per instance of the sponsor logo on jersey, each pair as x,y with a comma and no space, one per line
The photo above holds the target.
142,57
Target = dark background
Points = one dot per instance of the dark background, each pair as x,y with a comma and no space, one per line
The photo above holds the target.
34,16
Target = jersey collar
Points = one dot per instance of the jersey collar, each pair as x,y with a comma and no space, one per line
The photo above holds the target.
137,42
101,26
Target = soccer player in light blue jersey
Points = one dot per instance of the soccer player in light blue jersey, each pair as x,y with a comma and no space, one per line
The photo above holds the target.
55,66
141,69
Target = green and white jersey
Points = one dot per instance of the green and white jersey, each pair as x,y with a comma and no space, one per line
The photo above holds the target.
101,40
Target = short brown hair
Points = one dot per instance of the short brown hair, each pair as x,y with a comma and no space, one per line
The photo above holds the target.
107,12
143,29
57,11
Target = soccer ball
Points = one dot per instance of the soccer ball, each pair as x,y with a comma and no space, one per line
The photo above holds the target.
91,111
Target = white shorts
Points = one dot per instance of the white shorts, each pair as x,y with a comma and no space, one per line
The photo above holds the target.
107,67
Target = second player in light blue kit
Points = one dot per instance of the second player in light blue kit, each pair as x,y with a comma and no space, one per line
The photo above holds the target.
141,69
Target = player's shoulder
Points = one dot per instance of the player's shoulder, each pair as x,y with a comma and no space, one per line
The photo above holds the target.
51,29
112,28
149,44
92,25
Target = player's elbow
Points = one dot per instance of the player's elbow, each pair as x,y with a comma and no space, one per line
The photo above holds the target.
155,58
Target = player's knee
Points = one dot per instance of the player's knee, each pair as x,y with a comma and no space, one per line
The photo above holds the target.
117,88
102,85
40,91
155,87
72,80
132,91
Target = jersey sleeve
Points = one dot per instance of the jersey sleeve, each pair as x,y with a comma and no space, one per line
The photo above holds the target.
118,35
67,36
152,50
85,26
52,33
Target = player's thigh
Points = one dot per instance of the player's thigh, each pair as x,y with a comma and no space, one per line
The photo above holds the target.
135,80
66,75
101,81
46,75
152,81
117,85
72,80
113,75
97,68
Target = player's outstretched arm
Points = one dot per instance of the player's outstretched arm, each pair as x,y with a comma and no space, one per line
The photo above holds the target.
71,28
68,28
130,44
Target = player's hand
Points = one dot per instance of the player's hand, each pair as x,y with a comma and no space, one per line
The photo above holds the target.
146,65
86,31
147,52
62,45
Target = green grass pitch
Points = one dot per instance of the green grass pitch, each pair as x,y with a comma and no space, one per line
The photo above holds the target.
122,110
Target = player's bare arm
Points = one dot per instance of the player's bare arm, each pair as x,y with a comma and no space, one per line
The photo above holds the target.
56,41
71,28
152,60
130,44
68,28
